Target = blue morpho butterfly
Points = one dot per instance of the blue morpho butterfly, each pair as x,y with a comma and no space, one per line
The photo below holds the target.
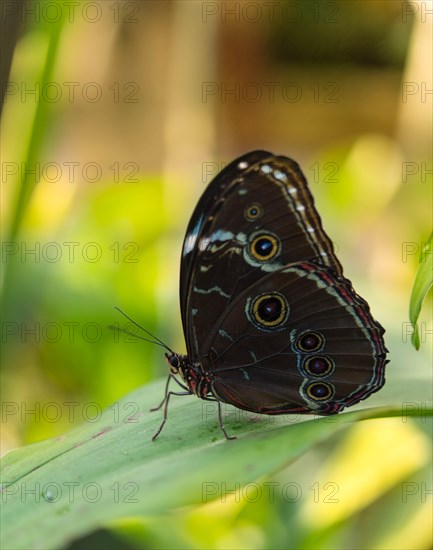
271,324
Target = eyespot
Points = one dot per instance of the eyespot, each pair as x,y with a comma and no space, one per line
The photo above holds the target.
264,247
319,365
253,212
310,341
320,391
268,310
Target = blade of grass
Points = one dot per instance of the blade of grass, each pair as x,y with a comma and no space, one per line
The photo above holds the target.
26,184
37,134
422,284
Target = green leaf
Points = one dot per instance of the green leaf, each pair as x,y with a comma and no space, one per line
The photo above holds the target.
423,283
60,489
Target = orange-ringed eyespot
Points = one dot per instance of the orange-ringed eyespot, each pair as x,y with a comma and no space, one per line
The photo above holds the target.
310,341
253,212
270,310
319,391
319,365
264,247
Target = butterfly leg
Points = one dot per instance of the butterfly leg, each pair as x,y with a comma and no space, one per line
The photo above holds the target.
220,418
165,395
169,377
167,399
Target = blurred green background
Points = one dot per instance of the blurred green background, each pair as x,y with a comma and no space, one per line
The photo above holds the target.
116,116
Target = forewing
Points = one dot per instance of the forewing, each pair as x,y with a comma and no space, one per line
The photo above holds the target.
257,194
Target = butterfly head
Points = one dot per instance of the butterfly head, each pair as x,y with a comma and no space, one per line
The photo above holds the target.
175,362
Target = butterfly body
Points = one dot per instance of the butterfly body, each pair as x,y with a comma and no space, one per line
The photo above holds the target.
271,324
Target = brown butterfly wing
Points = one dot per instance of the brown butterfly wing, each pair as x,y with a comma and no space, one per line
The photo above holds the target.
257,197
323,353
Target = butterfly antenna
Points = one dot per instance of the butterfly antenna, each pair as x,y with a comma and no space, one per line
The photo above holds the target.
129,333
155,340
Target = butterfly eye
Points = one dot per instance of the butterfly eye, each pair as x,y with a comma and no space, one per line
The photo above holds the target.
174,362
319,365
264,247
310,341
319,391
253,212
269,310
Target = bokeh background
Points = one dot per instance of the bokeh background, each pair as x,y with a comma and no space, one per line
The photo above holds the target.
115,117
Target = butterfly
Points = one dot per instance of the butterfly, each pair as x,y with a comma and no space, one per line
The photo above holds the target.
271,324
